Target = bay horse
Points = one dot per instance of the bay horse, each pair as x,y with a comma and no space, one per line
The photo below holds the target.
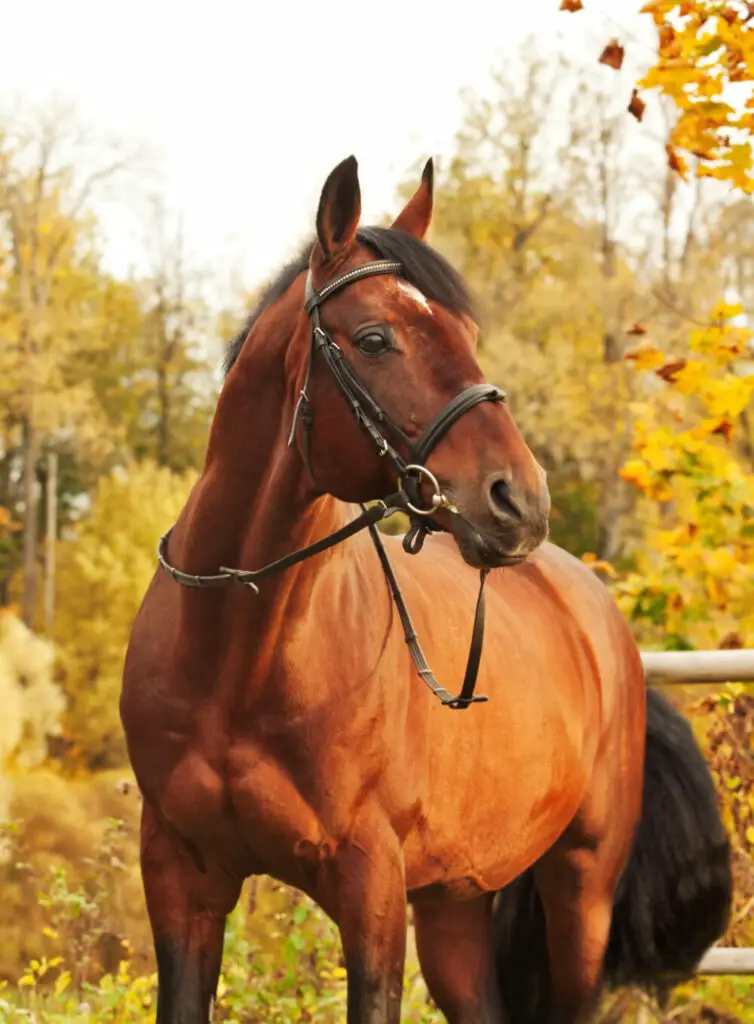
562,835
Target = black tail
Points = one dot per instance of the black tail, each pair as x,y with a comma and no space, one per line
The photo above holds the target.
674,898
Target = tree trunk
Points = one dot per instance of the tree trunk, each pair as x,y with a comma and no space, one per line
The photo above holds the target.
31,503
163,414
612,509
51,540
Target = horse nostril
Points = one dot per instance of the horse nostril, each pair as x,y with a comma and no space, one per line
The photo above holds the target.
500,494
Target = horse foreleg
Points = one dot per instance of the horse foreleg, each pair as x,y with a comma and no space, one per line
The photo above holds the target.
454,943
369,898
188,904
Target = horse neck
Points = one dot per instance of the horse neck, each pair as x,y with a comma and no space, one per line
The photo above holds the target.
254,502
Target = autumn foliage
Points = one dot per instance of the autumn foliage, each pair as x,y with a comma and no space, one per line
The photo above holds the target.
705,65
694,571
629,376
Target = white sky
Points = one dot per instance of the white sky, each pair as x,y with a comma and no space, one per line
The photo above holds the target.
247,105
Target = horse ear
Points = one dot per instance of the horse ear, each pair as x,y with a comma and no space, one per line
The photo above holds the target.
417,213
339,209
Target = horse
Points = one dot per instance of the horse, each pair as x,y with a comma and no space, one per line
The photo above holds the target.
554,835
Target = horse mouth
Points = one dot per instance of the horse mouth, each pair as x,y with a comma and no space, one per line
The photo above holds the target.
479,555
476,550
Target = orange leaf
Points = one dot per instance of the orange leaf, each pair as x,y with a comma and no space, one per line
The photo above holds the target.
667,35
669,370
572,6
668,42
612,55
655,9
724,427
637,329
675,162
731,642
637,106
598,564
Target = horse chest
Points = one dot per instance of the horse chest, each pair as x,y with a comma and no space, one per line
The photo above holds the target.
292,818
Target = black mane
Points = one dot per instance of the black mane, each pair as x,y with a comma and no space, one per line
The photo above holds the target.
423,267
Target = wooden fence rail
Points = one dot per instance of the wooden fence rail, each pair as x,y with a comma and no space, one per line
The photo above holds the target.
699,666
727,960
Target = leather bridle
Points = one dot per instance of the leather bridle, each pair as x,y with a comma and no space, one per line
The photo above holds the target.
370,415
388,437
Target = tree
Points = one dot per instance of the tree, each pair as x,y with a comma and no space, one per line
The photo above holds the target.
104,568
8,531
693,574
46,182
173,382
705,58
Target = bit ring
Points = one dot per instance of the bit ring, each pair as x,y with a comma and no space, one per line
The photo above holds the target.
438,498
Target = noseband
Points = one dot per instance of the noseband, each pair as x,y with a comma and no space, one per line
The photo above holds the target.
387,437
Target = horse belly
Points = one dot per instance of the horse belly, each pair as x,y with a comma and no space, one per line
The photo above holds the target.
484,825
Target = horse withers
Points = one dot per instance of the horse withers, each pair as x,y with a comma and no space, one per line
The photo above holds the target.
562,836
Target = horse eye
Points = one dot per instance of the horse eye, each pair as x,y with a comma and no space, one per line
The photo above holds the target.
372,342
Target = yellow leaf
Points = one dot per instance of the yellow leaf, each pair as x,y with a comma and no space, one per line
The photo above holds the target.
62,982
721,563
646,357
730,397
635,472
657,455
690,560
693,441
692,378
715,592
600,565
725,311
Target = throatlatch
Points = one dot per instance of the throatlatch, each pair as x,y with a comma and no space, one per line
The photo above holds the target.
410,473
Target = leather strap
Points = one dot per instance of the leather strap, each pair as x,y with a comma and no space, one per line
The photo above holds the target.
367,519
453,411
249,577
467,695
314,299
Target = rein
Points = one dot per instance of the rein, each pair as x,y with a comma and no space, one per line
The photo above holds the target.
372,418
